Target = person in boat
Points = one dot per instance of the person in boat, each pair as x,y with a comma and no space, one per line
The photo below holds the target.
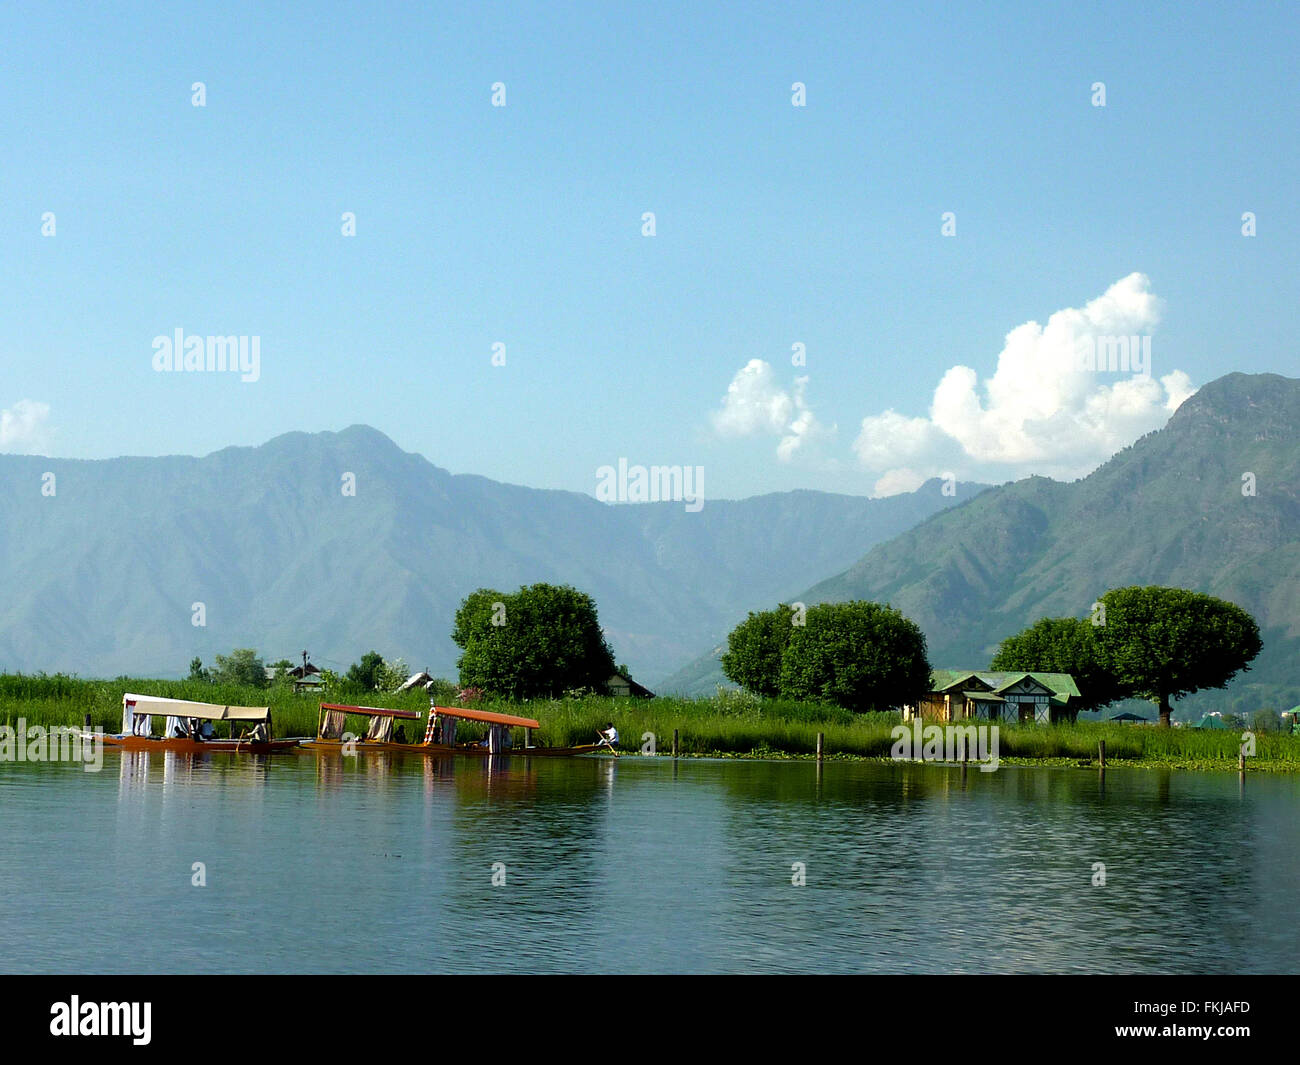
259,733
400,735
608,737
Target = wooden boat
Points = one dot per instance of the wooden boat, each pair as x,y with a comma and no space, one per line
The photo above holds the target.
442,721
331,721
183,732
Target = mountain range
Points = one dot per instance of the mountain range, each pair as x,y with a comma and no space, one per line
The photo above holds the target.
135,565
341,542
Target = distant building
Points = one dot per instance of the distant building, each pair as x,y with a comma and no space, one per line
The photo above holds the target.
417,680
621,684
959,695
306,678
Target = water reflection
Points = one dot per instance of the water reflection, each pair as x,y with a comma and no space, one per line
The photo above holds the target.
544,864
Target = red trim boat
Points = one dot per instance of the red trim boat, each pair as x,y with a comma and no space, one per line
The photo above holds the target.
439,736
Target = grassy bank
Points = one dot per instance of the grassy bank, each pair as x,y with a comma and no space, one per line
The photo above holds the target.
727,724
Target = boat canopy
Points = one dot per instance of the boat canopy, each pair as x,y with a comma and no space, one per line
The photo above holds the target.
484,715
146,705
372,711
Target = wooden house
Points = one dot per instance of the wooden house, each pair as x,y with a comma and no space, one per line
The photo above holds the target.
621,684
958,695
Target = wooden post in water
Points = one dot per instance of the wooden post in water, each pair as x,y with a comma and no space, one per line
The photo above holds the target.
1101,753
674,743
1241,759
821,737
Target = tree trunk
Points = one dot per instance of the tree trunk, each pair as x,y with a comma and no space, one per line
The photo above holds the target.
1165,710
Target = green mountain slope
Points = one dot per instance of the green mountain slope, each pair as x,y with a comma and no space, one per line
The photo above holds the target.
1168,510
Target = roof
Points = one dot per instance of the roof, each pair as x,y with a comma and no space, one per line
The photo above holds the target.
371,711
146,705
484,715
1061,685
415,680
634,688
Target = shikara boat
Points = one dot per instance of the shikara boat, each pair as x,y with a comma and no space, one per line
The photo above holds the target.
185,731
439,736
378,736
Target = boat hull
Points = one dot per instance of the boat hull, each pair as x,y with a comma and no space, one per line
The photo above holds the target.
187,746
471,750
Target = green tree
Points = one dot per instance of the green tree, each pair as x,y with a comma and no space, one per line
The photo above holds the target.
241,666
477,612
1266,720
539,642
1164,643
1062,645
281,668
197,672
754,650
392,675
860,655
367,673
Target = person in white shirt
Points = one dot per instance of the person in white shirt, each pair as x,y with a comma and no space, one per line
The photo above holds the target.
608,737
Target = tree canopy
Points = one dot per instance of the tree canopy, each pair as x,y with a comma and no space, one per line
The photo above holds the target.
1140,643
538,642
1164,643
754,650
1062,645
366,674
241,666
860,655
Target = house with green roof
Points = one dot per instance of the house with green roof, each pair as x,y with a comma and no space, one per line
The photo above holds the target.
984,695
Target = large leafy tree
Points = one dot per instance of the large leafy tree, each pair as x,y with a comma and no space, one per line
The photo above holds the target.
1062,645
540,641
1164,643
860,655
241,666
754,650
367,673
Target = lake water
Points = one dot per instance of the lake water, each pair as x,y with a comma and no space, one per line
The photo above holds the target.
386,863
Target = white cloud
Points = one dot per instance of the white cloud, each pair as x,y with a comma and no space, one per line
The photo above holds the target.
24,427
1042,411
756,404
897,481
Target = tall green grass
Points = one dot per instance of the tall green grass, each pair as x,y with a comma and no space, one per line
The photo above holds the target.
726,724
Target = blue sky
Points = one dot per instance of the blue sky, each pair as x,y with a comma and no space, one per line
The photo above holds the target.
522,225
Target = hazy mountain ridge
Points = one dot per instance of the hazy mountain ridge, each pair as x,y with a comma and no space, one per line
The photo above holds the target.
101,577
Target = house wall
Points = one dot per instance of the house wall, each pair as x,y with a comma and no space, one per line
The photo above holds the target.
934,706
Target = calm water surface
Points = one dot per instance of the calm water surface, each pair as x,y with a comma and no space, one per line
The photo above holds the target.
385,864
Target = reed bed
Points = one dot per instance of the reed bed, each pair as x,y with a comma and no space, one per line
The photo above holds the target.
727,724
